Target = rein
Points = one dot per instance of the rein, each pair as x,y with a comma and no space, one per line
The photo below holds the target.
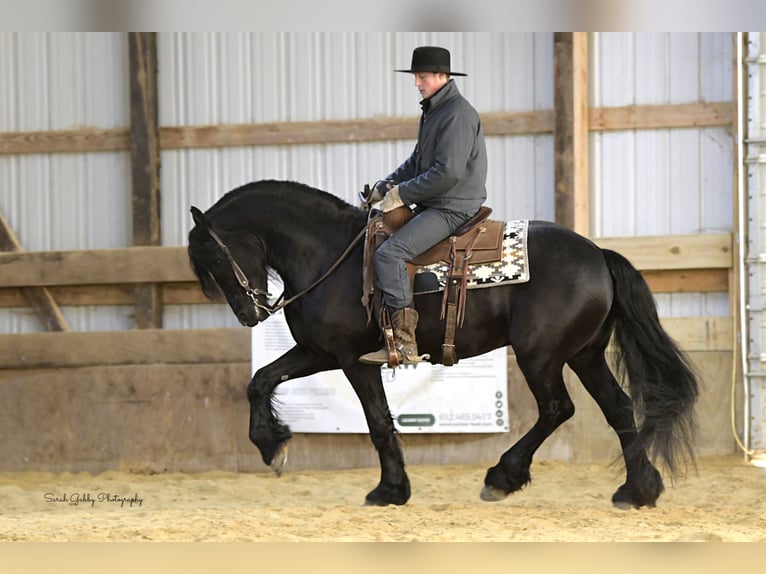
281,302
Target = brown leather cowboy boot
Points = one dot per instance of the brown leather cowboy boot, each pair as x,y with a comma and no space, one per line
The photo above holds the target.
404,322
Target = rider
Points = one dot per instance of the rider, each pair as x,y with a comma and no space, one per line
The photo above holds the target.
443,180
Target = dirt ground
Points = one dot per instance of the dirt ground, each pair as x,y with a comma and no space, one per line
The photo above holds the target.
723,501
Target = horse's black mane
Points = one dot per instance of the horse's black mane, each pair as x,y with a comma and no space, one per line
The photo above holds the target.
298,195
282,201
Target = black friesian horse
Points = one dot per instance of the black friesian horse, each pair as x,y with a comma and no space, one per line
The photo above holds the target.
578,295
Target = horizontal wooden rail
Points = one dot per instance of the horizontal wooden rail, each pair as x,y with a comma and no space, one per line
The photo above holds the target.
95,267
700,114
662,252
705,114
189,293
136,347
670,264
232,345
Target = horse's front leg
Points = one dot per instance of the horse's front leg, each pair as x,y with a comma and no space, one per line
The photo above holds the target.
394,486
266,431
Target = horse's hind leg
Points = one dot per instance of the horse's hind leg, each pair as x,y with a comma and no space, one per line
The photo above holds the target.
554,406
643,484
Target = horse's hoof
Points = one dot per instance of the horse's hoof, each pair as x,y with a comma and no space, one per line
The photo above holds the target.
625,505
279,460
628,499
383,495
492,494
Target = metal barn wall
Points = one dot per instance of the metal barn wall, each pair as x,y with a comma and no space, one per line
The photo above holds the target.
57,81
663,181
643,182
212,78
754,198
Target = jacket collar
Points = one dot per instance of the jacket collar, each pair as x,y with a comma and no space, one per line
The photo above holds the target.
446,92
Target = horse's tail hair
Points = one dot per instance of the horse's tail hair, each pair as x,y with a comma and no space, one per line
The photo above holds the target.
661,380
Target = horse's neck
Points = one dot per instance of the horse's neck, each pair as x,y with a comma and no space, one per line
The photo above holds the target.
299,253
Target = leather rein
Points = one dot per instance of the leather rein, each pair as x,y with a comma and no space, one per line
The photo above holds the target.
281,302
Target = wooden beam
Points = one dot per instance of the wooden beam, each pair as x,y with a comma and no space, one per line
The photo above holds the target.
703,114
339,131
99,295
39,298
171,264
135,347
96,267
232,345
570,134
189,293
65,141
700,333
580,130
663,116
687,280
658,252
145,165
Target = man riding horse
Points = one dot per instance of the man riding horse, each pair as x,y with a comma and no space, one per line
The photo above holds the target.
442,181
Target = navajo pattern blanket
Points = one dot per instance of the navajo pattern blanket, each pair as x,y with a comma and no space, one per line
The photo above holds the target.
512,268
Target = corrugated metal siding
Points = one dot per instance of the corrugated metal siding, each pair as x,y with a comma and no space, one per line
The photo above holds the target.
210,78
53,81
242,78
669,181
643,182
758,386
754,196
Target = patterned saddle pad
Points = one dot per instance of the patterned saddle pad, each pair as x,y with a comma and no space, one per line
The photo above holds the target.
512,268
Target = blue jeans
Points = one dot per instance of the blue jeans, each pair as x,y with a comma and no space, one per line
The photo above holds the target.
423,231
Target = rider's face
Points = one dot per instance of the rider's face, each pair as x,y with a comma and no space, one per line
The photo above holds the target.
428,83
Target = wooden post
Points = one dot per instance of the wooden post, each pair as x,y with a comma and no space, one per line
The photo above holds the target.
570,133
145,165
39,298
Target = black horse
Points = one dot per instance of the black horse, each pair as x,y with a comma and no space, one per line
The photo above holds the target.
577,296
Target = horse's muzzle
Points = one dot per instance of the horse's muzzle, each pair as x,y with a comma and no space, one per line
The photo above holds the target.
250,318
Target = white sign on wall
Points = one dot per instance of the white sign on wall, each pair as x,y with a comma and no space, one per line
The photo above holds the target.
469,397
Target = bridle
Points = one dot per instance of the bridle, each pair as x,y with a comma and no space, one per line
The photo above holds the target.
242,279
281,302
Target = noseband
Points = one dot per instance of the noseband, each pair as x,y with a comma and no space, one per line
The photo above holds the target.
281,302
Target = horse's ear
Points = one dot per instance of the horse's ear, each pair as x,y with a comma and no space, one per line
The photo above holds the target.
199,217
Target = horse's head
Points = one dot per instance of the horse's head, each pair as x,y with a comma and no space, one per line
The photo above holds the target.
234,267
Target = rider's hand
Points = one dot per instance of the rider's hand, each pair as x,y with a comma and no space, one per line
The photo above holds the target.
391,200
380,189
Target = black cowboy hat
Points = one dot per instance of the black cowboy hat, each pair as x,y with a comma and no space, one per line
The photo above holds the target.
431,59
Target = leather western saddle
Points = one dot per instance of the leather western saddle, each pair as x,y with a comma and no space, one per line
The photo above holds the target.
478,240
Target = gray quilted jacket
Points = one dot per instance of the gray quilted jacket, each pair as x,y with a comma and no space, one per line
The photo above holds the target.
448,167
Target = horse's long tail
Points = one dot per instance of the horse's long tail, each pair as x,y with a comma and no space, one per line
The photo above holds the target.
661,380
